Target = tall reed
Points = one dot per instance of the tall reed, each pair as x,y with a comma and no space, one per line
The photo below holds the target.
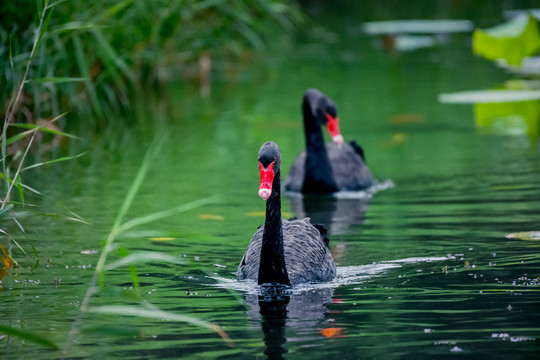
120,225
96,57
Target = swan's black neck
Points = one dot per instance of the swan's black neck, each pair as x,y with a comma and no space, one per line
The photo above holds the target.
318,173
272,268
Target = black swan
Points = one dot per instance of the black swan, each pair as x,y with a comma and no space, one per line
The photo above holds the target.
284,252
324,169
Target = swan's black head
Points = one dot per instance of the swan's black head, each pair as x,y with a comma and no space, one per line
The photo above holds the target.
324,111
269,164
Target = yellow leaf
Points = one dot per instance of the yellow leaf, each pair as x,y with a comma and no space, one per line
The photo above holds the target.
211,217
162,238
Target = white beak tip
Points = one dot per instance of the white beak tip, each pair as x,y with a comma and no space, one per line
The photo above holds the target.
338,139
265,193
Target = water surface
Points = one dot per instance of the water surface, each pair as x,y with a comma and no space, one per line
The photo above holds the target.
424,266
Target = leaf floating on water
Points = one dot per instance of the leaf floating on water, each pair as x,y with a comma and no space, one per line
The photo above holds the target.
256,214
332,332
162,238
396,139
526,235
511,41
417,26
284,214
489,96
211,217
407,119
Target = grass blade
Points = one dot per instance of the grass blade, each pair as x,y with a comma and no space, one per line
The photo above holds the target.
144,257
84,69
165,213
65,158
109,242
27,336
155,313
54,80
6,209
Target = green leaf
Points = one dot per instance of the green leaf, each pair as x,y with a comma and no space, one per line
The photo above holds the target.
65,158
417,26
154,313
489,96
84,69
6,209
511,41
512,118
54,80
45,129
165,213
144,257
27,336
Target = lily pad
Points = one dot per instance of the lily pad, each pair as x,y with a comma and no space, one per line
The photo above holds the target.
512,41
417,27
489,96
512,118
512,111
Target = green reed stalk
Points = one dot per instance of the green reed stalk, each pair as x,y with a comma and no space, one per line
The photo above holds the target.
43,23
118,227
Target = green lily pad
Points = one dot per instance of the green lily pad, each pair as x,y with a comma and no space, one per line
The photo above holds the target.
511,118
511,41
489,96
417,27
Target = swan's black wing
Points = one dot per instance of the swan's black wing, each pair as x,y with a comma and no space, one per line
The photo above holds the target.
295,178
324,232
348,167
307,257
359,150
249,265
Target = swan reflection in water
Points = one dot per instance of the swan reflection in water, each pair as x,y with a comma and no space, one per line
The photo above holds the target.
278,308
336,214
339,211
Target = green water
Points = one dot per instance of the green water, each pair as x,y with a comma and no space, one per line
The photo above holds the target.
424,267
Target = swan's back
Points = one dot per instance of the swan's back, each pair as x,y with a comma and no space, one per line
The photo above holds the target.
307,257
348,166
349,169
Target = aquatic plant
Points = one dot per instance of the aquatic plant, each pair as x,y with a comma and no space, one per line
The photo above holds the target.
119,226
96,57
511,41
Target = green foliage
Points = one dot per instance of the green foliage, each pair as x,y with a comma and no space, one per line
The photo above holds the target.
154,313
510,118
95,57
27,336
511,41
515,109
119,226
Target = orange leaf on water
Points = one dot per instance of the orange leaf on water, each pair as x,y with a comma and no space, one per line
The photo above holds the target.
6,259
8,262
332,332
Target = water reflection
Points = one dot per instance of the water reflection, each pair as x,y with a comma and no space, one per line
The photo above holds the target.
280,309
337,214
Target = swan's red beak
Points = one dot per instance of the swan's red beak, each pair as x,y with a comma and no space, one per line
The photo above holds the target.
333,128
267,177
